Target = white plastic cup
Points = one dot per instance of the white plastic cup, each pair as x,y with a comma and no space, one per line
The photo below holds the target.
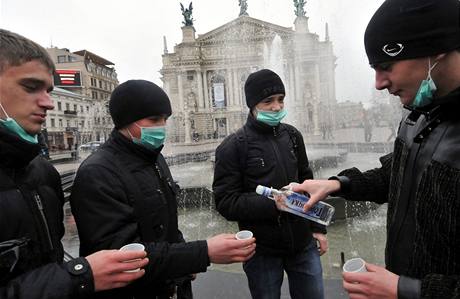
133,247
244,235
355,265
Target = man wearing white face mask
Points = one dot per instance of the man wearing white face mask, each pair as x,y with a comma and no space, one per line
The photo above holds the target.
124,193
270,153
414,48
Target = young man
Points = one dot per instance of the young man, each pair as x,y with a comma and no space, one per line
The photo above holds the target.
124,193
267,152
414,48
31,198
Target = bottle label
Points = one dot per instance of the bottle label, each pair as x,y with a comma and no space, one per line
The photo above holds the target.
296,202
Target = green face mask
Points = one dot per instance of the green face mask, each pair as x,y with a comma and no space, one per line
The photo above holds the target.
13,126
271,118
426,90
151,137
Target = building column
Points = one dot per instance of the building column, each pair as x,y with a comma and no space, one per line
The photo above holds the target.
205,89
291,82
181,91
200,90
297,83
317,100
229,87
183,108
236,92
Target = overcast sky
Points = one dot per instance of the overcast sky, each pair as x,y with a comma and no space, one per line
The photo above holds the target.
130,33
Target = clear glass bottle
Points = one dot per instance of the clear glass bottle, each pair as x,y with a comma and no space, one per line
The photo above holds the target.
321,212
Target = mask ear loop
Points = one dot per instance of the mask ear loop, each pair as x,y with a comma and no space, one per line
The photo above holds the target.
430,68
3,109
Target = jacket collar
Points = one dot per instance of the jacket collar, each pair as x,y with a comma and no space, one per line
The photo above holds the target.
16,153
260,127
128,146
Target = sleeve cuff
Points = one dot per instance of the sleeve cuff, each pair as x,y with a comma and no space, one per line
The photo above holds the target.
345,183
409,288
82,276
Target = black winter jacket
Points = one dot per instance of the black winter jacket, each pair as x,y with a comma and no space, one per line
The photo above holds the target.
31,201
271,161
108,186
420,181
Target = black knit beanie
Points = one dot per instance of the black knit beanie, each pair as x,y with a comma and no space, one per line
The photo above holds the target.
261,85
407,29
137,99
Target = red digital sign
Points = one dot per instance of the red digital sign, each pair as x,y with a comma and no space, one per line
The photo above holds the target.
67,78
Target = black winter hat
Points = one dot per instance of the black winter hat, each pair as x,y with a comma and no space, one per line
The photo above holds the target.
407,29
261,85
137,99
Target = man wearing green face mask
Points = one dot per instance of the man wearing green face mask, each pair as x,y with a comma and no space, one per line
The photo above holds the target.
414,48
31,198
270,153
124,193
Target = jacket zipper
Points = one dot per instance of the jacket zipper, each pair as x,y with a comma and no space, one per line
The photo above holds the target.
42,213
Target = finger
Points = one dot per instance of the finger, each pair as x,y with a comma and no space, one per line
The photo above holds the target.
245,243
372,267
298,187
358,277
310,203
357,296
351,287
129,265
121,255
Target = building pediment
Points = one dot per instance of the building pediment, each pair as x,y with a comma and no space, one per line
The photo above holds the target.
244,28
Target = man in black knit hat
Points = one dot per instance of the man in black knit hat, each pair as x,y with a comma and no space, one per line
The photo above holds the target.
270,153
414,48
125,193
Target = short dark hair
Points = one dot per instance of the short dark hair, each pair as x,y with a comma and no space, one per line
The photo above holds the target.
15,50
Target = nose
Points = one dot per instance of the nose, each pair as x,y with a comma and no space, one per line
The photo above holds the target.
381,80
276,106
45,101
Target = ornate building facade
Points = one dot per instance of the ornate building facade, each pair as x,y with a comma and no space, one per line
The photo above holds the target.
91,76
205,76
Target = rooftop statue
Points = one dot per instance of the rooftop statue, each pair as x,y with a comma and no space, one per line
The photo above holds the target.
299,8
243,7
187,13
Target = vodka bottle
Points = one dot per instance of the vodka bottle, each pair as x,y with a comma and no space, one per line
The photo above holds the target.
321,212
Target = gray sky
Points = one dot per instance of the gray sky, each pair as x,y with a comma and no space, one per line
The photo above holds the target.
130,33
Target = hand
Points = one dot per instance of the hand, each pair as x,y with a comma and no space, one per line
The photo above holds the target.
226,249
280,202
108,268
377,283
318,190
323,245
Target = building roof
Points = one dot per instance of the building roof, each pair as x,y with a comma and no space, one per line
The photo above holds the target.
95,58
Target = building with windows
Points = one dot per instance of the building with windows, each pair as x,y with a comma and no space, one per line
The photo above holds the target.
205,76
93,77
70,124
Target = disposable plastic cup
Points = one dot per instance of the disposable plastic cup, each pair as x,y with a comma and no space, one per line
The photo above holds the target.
355,265
133,247
244,235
